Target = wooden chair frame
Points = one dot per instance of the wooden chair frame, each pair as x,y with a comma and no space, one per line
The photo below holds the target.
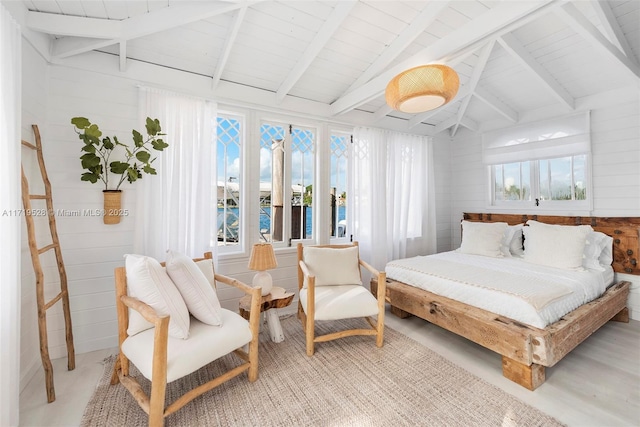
153,405
307,319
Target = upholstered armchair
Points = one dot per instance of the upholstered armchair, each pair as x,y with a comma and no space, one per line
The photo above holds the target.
179,329
330,288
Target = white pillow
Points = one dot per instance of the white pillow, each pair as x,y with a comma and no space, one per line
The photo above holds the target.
597,251
560,246
516,246
196,290
512,241
483,238
333,266
148,281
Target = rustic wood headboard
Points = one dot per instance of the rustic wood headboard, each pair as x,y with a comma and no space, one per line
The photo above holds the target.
624,230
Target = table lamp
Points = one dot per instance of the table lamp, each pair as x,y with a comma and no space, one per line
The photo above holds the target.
262,258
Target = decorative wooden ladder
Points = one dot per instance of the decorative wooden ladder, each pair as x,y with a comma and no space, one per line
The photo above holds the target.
43,306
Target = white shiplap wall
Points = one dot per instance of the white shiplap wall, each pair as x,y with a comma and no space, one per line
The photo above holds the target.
34,106
615,139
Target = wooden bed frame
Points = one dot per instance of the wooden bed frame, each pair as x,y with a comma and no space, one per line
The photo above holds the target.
527,350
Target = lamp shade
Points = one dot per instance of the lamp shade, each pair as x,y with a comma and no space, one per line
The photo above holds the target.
262,257
422,88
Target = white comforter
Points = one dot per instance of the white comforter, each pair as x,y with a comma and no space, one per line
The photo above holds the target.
509,294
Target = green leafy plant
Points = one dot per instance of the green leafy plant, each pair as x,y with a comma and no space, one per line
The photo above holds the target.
98,150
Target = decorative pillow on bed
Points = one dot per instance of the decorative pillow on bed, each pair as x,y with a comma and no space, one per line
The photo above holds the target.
149,282
483,238
198,294
333,266
512,241
598,251
560,246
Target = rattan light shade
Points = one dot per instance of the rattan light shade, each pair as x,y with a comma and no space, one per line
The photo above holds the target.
262,257
422,88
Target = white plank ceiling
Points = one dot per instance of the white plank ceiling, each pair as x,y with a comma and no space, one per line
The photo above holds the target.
511,56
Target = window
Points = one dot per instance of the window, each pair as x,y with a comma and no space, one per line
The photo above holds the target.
339,159
287,154
230,135
560,179
541,164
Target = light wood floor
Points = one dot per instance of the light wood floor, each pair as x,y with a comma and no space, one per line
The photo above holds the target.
598,384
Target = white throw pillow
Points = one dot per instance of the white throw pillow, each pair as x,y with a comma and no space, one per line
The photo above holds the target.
148,281
597,251
196,290
553,245
516,246
333,266
483,238
512,241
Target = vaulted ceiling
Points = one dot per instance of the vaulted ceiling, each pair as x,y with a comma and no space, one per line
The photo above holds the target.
511,56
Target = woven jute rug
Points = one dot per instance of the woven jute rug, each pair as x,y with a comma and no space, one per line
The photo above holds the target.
348,382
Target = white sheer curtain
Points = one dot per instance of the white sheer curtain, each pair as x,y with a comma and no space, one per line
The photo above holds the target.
10,118
393,200
175,208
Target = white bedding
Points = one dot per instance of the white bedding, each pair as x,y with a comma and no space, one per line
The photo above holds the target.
575,287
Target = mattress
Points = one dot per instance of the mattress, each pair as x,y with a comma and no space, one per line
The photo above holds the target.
529,293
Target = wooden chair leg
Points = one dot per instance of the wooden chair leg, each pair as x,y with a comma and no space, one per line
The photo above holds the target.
253,359
115,378
310,335
380,334
156,404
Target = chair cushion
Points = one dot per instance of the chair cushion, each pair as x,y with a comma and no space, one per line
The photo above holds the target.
199,295
205,344
341,302
149,282
333,266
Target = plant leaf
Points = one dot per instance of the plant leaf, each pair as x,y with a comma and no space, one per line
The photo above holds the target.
89,160
153,126
93,132
133,173
148,169
88,176
107,144
159,144
137,138
143,156
119,167
80,122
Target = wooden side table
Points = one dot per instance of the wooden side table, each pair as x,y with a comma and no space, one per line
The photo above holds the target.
278,298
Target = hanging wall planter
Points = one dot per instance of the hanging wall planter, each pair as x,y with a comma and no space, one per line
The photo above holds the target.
112,206
96,160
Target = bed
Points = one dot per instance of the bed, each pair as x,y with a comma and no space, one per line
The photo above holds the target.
526,349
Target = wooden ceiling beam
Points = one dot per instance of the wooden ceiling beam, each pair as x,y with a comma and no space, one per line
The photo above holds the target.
134,27
612,28
73,26
331,25
522,55
581,25
231,39
473,82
